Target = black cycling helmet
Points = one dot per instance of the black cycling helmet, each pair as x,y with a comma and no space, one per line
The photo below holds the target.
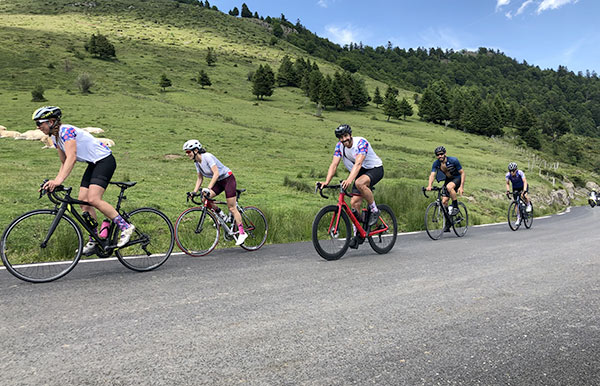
512,166
440,150
343,129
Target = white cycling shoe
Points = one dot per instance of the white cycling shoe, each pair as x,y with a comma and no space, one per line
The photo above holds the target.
125,235
241,238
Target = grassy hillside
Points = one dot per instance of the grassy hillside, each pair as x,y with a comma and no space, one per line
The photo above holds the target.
263,142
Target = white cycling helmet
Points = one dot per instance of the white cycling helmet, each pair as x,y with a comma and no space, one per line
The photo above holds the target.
512,166
46,112
192,144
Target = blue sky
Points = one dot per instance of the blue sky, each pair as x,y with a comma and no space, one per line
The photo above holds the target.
546,33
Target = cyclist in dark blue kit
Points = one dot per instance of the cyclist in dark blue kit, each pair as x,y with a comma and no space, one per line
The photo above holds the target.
519,185
449,170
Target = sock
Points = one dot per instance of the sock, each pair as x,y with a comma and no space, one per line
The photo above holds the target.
241,228
372,206
121,223
454,203
95,232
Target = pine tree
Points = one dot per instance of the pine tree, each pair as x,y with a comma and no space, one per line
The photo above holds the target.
263,82
314,85
246,11
234,12
203,79
99,46
286,75
327,96
164,82
211,58
390,106
524,121
377,99
405,109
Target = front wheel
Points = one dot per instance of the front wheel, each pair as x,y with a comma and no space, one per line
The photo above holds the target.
514,217
384,241
151,243
197,232
331,232
460,221
435,220
255,225
528,217
25,256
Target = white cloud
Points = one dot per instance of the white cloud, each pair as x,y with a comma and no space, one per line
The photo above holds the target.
553,4
522,7
441,37
342,35
501,3
322,3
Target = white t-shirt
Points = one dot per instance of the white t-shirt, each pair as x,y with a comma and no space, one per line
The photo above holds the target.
359,146
208,161
89,148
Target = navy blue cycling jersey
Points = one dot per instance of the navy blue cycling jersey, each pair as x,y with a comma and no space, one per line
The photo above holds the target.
452,165
516,180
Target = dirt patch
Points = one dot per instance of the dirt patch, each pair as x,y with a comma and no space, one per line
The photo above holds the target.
172,156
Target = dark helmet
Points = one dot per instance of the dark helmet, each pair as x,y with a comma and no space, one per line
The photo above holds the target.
512,166
47,112
440,150
343,129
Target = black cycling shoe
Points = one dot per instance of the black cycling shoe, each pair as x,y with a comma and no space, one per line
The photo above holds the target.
447,228
353,243
373,217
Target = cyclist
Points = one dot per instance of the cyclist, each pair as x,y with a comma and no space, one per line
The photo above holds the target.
366,170
221,179
519,186
74,144
449,170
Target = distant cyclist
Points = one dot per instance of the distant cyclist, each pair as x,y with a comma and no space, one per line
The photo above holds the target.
365,167
519,184
449,170
221,179
74,144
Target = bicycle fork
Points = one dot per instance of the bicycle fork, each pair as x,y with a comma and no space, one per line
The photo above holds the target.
53,226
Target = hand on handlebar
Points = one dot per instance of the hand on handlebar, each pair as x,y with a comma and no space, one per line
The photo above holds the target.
345,184
50,185
428,188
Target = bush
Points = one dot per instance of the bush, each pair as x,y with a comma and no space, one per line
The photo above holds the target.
99,46
37,95
84,83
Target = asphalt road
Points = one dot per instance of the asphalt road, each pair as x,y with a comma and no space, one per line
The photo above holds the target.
494,308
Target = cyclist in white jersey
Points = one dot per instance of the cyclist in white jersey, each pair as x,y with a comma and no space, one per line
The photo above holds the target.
76,145
365,167
221,179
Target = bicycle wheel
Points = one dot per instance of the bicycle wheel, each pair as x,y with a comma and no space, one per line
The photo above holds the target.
513,216
152,242
384,242
528,218
331,240
197,236
434,220
25,257
255,224
460,221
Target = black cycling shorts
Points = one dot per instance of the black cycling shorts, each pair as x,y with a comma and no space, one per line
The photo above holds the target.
518,192
99,173
375,174
456,180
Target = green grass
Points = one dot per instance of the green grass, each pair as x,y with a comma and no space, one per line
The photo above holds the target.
265,143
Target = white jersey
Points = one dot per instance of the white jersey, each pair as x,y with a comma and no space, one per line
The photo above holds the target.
359,146
208,161
89,148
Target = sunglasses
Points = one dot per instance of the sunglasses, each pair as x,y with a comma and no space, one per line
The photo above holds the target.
188,151
439,154
39,123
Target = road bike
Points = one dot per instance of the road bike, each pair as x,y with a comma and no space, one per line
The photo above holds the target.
438,219
517,212
197,229
332,229
45,244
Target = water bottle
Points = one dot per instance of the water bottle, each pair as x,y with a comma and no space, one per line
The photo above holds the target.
104,228
450,209
221,214
230,218
89,220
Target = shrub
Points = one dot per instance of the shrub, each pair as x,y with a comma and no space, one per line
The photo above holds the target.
84,83
37,95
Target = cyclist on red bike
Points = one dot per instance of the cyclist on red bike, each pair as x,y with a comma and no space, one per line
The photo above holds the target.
366,169
449,170
74,144
221,179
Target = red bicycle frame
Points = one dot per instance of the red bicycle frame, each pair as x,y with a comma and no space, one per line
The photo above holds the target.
335,221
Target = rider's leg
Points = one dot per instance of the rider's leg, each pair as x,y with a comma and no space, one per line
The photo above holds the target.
94,197
363,184
231,205
356,203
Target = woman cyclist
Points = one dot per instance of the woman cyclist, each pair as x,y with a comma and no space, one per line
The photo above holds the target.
74,144
221,179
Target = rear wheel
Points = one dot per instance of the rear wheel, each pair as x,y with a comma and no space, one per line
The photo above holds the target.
151,243
460,221
255,225
383,242
25,257
434,220
528,217
197,232
330,236
514,218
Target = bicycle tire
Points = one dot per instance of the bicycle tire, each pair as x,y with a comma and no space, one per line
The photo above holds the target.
255,225
384,242
331,245
528,217
435,221
512,216
191,241
460,221
25,258
156,237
